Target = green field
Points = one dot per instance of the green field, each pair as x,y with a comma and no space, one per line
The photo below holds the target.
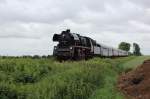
27,78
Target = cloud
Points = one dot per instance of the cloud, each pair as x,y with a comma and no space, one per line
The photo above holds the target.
30,24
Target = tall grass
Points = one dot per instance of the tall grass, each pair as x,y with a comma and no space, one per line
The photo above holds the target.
25,78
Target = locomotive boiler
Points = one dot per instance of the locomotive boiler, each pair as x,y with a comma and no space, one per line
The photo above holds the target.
76,47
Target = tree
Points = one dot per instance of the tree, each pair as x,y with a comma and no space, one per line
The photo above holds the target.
124,46
36,57
136,49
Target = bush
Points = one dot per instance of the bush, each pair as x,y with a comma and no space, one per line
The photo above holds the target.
8,93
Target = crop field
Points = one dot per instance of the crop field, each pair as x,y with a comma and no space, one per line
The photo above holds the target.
27,78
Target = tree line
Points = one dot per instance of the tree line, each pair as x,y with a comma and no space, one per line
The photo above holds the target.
127,46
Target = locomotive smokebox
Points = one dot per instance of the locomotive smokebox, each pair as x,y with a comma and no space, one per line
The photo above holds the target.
65,35
56,37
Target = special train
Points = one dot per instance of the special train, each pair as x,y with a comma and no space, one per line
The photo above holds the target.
77,47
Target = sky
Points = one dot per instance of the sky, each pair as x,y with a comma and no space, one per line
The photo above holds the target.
27,26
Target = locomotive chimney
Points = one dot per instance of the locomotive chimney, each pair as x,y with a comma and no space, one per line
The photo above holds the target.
68,31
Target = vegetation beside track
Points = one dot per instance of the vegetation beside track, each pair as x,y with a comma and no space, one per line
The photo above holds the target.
26,78
109,91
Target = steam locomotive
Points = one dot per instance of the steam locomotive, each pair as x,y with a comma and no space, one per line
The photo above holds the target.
77,47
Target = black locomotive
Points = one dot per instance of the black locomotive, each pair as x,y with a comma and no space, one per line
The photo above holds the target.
76,47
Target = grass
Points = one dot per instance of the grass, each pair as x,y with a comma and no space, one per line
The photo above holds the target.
26,78
135,62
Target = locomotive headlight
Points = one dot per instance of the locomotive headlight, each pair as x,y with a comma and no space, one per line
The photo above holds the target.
71,48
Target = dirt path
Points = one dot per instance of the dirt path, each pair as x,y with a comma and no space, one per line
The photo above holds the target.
136,84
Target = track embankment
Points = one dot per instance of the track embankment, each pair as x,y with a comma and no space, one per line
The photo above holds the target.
136,83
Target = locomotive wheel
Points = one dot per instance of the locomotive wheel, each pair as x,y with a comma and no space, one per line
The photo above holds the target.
80,54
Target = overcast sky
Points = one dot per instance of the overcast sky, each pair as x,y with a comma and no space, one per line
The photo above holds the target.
27,26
